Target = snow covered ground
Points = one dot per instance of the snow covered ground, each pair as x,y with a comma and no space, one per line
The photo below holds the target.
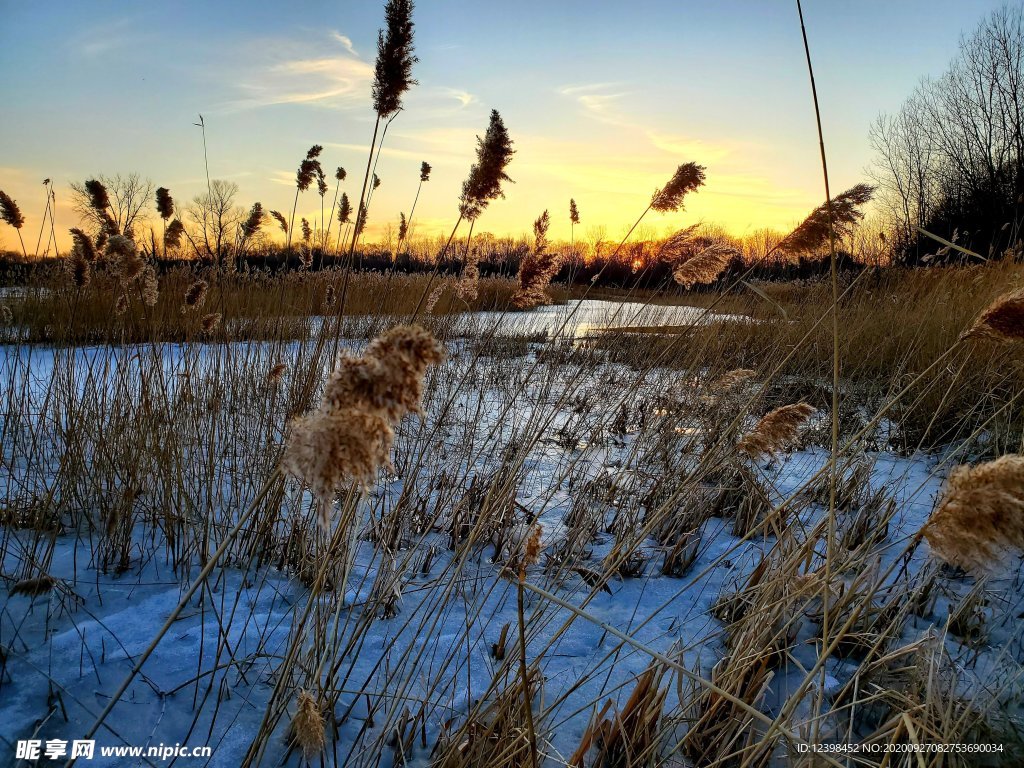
211,677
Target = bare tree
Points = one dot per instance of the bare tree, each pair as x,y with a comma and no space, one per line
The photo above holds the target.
951,160
130,197
216,219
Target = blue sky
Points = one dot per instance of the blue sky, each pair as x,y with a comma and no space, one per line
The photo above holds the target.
603,100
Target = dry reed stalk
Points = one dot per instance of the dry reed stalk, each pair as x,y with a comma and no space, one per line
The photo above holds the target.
981,514
776,430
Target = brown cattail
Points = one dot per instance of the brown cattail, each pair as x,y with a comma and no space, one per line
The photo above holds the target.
687,178
210,322
981,514
775,431
277,373
1003,320
34,587
195,295
307,726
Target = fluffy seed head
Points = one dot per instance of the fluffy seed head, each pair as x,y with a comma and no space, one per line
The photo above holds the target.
493,154
687,178
121,305
150,287
79,269
281,220
210,322
388,377
83,246
276,373
1003,320
425,170
34,587
776,430
164,203
980,515
172,237
393,70
195,295
344,209
705,267
125,258
333,446
10,212
574,213
734,378
6,315
340,174
814,232
307,726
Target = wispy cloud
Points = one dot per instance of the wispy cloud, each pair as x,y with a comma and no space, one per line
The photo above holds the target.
465,98
101,39
345,41
597,100
300,72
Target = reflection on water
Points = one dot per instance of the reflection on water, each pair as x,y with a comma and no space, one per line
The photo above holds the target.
580,318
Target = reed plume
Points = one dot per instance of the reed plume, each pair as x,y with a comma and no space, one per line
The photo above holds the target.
687,178
307,726
82,245
307,231
776,430
344,210
425,170
253,221
11,213
79,268
99,199
574,213
392,75
210,322
1002,320
276,373
172,237
349,437
125,258
150,287
536,269
706,266
981,514
483,184
309,170
281,221
6,315
814,232
403,227
340,174
388,377
34,587
195,295
164,203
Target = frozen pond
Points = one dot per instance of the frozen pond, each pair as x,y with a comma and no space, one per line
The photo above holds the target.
581,317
